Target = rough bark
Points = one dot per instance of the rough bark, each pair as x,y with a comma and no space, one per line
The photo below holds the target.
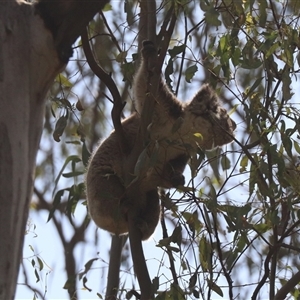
30,58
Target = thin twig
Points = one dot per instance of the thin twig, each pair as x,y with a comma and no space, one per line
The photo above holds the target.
220,254
169,252
266,274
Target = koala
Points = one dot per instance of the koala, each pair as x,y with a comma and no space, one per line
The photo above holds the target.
176,132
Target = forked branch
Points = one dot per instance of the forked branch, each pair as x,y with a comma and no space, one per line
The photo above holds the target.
118,105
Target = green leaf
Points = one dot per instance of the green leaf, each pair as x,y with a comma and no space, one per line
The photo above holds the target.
41,264
262,13
231,225
198,135
107,7
236,56
63,80
223,43
121,57
286,82
261,228
255,85
244,164
205,254
87,267
287,144
56,202
190,73
252,179
193,280
59,128
69,283
37,275
297,147
72,174
211,17
207,220
176,50
272,49
196,294
128,71
85,154
177,235
71,158
216,288
66,103
225,162
168,72
164,242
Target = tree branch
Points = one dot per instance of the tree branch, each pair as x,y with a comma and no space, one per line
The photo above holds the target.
282,293
108,81
154,77
151,21
140,267
117,244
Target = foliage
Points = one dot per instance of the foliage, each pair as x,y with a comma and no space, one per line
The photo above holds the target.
239,212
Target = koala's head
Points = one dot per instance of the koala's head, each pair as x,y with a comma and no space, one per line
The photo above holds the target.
210,118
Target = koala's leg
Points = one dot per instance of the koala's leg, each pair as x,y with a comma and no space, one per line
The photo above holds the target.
147,216
107,203
173,169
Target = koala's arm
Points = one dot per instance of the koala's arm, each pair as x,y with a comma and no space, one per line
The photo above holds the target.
173,170
167,105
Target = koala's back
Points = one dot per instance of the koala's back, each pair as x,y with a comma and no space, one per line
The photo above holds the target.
105,189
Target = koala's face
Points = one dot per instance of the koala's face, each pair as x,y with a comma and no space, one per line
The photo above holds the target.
223,127
209,131
210,119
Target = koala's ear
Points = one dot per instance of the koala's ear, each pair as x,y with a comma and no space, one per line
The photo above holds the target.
205,100
209,97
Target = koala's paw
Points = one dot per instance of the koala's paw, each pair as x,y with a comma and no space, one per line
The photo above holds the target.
177,179
149,49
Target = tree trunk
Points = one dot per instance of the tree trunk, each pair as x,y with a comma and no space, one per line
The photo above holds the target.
30,58
28,66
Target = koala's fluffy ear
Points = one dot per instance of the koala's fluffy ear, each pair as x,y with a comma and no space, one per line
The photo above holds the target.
205,100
